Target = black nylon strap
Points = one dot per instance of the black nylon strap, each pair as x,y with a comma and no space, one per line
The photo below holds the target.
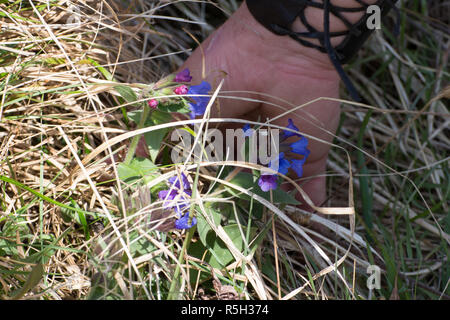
279,15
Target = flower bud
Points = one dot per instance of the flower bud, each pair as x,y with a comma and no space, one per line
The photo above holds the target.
183,89
153,103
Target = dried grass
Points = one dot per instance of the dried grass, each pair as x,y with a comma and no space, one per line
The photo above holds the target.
61,124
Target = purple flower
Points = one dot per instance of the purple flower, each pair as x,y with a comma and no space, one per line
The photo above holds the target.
173,199
167,195
199,104
183,222
174,181
268,182
183,76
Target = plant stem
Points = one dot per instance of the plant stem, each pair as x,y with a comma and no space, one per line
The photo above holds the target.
173,295
135,141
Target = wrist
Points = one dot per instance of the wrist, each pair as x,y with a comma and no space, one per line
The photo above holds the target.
277,48
315,18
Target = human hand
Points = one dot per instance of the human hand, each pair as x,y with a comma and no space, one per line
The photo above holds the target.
268,65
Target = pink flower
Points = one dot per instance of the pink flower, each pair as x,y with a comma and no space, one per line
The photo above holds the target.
183,89
153,103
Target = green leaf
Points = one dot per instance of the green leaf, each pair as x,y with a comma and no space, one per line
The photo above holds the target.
103,71
33,279
219,256
139,168
9,230
245,180
140,245
39,195
203,227
126,93
180,107
54,61
135,115
155,138
268,268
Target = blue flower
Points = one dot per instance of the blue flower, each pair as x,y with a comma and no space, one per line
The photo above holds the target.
248,131
300,147
183,222
199,104
285,159
281,164
268,182
287,134
297,166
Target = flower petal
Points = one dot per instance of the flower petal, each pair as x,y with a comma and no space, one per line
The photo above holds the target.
300,147
183,76
287,134
167,195
198,107
297,166
202,88
183,222
281,164
268,182
174,181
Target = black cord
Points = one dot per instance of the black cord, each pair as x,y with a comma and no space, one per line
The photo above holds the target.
279,15
332,54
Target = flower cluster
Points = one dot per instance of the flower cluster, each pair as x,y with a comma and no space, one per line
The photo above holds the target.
285,160
177,198
198,93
